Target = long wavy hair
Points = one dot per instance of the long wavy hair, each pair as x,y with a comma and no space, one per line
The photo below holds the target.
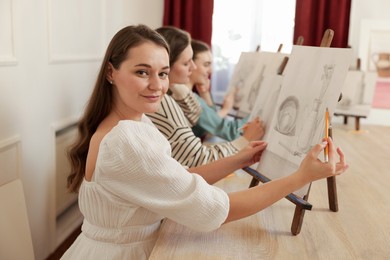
101,100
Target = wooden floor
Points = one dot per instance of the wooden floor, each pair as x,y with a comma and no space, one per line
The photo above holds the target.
359,230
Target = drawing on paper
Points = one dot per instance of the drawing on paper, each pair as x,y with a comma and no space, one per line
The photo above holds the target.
353,90
311,83
306,134
248,76
241,72
266,64
264,105
254,89
288,114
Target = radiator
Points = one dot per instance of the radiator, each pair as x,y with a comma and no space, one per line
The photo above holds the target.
64,138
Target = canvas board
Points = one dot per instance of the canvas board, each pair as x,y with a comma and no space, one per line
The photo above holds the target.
352,90
240,73
248,74
267,63
364,94
264,107
312,82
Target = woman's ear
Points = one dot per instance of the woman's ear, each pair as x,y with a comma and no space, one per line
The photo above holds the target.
110,69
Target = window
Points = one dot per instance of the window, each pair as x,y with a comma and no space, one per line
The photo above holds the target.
241,26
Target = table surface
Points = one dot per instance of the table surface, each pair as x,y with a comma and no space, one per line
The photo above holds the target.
359,230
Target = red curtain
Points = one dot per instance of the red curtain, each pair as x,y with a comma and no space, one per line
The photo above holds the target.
313,17
194,16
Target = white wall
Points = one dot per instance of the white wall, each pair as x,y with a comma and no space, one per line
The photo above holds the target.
361,10
49,56
376,12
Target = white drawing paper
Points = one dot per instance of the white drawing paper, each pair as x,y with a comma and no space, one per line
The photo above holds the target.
265,101
352,90
248,75
267,63
241,72
312,82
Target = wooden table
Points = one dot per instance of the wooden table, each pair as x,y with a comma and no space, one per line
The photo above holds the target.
359,230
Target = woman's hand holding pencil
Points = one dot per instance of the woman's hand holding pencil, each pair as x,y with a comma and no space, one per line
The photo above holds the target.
312,169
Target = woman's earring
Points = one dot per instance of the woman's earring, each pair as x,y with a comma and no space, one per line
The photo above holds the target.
110,82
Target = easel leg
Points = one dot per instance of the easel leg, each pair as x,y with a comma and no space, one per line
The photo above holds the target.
299,214
301,203
332,194
254,182
297,220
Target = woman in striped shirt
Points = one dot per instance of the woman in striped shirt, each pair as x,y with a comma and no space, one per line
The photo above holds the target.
175,124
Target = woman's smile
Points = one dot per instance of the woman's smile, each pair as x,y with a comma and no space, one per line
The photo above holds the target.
152,97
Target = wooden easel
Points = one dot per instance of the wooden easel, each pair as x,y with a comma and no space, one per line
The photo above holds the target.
301,203
300,40
285,60
280,48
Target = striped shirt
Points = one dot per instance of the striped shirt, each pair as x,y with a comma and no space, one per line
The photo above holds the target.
188,149
187,101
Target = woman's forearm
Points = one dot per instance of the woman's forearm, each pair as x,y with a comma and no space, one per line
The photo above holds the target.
223,112
217,170
248,202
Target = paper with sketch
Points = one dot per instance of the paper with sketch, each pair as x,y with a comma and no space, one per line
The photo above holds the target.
312,82
266,63
357,94
248,74
352,90
241,72
264,107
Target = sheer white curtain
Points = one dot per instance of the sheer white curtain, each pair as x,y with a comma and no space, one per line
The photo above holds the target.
242,25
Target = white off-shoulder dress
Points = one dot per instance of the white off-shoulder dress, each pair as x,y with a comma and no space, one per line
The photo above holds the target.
136,184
